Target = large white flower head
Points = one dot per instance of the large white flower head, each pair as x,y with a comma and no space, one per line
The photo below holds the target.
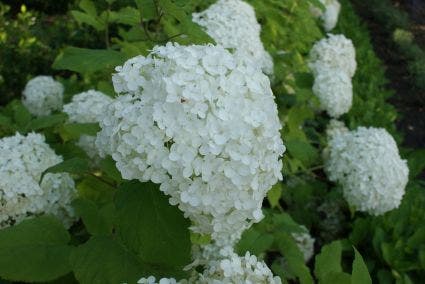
203,124
237,269
334,90
305,243
22,161
330,15
233,24
333,52
367,164
233,269
42,95
87,107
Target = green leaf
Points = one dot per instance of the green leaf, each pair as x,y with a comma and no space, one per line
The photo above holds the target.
46,121
103,260
5,121
360,274
294,258
254,241
92,21
88,7
416,162
336,278
304,80
35,250
96,190
147,9
107,165
95,220
302,151
128,15
329,260
20,114
84,60
106,87
274,194
75,130
73,166
156,231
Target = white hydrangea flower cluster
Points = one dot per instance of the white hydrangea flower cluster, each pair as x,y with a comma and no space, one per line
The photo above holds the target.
333,52
152,280
22,161
330,15
87,107
233,24
333,63
42,95
305,243
204,125
233,269
237,269
367,164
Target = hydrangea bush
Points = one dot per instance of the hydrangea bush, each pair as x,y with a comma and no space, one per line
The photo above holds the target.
23,191
193,148
367,164
42,95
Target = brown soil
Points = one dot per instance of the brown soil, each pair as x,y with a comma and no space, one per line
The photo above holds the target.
409,101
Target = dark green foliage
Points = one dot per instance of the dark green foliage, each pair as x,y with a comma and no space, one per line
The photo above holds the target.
370,92
397,239
392,21
127,230
103,260
151,228
29,40
35,250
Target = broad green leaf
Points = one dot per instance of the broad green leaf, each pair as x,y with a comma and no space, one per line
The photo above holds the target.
69,150
20,114
46,121
131,49
84,60
106,87
75,130
156,231
35,250
90,20
128,15
294,258
284,222
329,260
103,260
416,162
107,165
5,121
336,278
97,224
255,242
95,189
384,277
147,9
304,80
360,273
302,151
73,166
274,194
89,7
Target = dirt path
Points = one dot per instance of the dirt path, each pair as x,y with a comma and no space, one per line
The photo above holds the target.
408,100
